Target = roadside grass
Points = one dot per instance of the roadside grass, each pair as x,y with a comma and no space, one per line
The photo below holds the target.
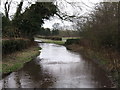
15,61
70,38
54,41
51,41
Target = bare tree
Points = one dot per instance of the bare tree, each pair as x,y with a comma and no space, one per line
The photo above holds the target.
7,7
19,8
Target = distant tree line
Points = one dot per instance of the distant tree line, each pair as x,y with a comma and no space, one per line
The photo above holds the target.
48,32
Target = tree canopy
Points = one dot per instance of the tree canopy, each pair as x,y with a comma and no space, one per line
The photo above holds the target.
29,22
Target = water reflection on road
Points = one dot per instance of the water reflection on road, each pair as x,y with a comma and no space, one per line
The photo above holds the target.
57,67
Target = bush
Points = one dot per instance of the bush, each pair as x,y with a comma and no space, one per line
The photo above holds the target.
72,41
9,46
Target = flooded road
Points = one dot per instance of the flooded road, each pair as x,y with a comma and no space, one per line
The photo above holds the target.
57,67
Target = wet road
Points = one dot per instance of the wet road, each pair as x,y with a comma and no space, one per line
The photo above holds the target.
57,67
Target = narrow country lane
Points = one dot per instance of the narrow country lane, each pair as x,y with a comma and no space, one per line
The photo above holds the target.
57,67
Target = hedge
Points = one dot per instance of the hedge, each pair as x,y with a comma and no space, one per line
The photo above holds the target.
51,37
72,41
10,46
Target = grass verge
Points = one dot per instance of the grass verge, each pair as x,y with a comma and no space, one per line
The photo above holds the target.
65,38
51,41
15,61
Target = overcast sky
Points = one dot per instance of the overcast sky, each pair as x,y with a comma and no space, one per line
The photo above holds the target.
86,8
65,7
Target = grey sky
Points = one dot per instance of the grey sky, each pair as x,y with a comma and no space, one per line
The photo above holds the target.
86,8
